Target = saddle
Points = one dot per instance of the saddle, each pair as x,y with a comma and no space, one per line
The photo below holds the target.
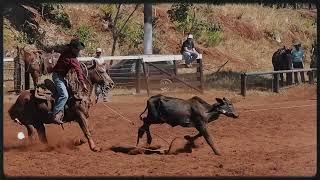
47,92
43,93
48,61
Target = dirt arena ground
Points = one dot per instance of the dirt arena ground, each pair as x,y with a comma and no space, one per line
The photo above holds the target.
273,140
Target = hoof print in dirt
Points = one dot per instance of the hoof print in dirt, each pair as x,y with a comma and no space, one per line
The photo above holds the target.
135,151
79,141
180,145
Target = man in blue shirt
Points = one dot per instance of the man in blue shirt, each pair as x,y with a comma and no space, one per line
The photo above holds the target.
297,60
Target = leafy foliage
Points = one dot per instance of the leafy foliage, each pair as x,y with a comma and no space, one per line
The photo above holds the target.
208,33
107,8
56,14
180,15
132,34
84,33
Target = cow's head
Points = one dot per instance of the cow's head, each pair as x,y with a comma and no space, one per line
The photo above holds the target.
225,106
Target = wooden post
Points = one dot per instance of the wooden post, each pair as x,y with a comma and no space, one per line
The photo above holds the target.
200,70
175,67
243,84
275,83
27,80
137,83
22,73
19,74
311,77
16,75
146,77
289,79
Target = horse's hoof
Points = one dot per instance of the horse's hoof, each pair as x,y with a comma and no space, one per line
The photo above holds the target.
96,149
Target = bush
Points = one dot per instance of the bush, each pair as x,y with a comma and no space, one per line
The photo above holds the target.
208,33
179,12
56,14
62,19
107,8
214,38
180,15
84,33
132,34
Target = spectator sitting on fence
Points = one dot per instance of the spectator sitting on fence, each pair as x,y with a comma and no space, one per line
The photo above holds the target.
297,60
101,67
189,53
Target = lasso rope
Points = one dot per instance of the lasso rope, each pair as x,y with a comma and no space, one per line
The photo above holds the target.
276,108
277,103
132,123
289,107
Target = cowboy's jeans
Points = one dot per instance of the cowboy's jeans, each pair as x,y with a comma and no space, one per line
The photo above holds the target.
62,93
189,57
298,65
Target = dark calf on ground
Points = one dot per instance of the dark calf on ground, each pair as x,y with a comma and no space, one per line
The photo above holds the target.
193,112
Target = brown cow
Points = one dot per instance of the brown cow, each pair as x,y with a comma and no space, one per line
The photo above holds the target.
98,78
32,111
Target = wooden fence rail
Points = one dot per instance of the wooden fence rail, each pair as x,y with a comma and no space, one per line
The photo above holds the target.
276,78
130,78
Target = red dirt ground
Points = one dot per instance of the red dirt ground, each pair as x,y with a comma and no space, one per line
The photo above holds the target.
277,142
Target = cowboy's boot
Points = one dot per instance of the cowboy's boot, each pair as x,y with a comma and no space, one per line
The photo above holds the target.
57,118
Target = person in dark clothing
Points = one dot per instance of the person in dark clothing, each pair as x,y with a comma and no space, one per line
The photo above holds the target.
188,51
67,60
313,54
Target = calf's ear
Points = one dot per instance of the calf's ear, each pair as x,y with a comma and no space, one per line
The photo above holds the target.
226,99
219,100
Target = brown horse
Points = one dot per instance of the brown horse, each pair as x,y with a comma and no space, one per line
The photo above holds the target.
31,108
36,63
98,78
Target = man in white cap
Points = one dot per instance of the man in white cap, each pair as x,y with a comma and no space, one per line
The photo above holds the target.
188,51
101,67
297,60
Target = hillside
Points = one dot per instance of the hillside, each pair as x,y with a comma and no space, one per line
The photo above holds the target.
249,33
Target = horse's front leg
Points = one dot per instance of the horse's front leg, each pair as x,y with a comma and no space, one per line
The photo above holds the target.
30,132
35,77
41,130
85,129
93,92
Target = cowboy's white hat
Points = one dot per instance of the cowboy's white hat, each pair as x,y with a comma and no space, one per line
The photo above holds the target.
99,50
190,36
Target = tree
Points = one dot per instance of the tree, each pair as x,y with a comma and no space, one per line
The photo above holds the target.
117,29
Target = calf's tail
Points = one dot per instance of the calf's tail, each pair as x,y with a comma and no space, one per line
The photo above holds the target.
143,112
